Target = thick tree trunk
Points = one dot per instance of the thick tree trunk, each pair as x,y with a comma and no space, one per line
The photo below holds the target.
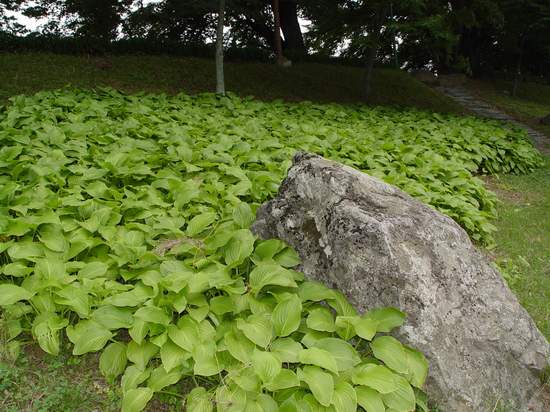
277,32
220,81
294,40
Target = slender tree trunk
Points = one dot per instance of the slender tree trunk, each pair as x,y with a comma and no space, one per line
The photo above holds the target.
294,40
220,81
369,66
517,76
277,32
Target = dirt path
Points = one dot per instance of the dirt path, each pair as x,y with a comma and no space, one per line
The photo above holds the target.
483,109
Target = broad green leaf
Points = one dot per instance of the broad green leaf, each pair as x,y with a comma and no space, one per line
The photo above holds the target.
270,274
112,361
93,270
52,236
286,316
417,366
344,398
160,378
88,336
321,319
402,399
321,384
314,291
133,376
199,223
140,355
135,400
369,399
45,329
287,349
318,357
172,355
387,318
266,365
257,328
152,314
113,317
391,352
198,400
186,336
284,380
9,294
365,327
239,346
239,247
344,354
243,215
377,377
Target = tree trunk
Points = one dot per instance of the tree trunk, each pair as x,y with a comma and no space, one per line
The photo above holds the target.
294,40
220,81
517,76
369,66
277,33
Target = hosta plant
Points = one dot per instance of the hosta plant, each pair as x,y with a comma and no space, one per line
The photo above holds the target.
124,229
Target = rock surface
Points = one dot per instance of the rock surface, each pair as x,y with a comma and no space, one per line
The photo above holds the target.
383,248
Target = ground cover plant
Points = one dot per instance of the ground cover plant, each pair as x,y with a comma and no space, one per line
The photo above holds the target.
124,223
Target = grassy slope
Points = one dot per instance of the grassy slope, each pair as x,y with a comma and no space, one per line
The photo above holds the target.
29,73
68,383
523,239
531,103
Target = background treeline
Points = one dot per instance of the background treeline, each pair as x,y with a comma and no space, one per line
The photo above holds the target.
476,37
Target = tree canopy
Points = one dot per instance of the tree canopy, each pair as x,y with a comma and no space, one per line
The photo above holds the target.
475,37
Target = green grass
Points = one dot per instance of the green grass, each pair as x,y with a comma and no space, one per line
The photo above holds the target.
523,239
530,104
29,73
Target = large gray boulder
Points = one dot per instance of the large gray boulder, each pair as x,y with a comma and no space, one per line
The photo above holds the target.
381,247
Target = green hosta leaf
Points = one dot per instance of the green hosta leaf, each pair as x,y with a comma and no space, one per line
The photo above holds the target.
341,305
345,326
206,359
344,398
417,366
286,316
152,314
88,336
321,319
246,379
284,380
17,269
199,223
287,258
172,356
365,327
318,357
239,346
160,378
257,328
377,377
321,384
314,291
52,236
186,334
369,399
287,349
112,361
266,365
45,329
113,317
270,274
199,400
344,354
75,298
387,318
266,249
93,270
9,294
402,399
133,376
140,355
243,215
135,400
391,352
139,331
239,247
